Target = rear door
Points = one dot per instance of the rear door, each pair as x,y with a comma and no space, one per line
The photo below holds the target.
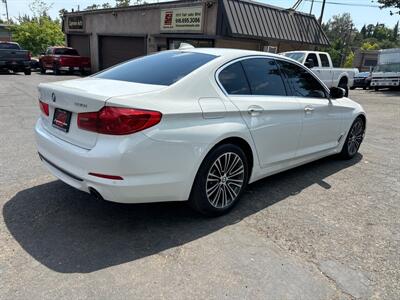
273,117
321,116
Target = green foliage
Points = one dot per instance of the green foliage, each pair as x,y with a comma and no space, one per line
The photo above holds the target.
93,6
349,60
36,35
369,46
345,38
122,3
391,3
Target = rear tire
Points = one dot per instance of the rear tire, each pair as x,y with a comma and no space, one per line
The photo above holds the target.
27,72
376,89
220,180
354,139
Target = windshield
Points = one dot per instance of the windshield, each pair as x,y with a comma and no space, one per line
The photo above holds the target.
9,46
388,68
66,51
299,56
163,68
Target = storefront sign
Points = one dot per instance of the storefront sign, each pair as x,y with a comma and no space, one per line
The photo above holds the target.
75,23
182,19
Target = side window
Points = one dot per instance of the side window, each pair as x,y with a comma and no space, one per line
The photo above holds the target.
234,80
301,81
314,58
264,76
48,52
324,60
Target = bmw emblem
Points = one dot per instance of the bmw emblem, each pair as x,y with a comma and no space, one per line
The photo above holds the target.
53,97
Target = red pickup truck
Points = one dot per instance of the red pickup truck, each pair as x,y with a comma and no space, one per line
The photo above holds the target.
63,59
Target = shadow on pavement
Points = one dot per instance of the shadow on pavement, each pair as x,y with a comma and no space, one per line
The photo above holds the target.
69,232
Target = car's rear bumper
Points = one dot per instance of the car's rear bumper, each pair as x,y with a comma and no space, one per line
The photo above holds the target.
146,176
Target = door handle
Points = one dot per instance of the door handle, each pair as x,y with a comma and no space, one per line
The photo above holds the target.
255,110
309,109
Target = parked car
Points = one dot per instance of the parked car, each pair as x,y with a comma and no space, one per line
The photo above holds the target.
387,73
60,59
321,64
13,58
197,124
362,80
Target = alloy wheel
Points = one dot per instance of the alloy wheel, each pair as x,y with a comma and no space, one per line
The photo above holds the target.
225,180
355,138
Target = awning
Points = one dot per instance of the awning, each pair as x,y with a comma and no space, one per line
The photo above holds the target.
261,21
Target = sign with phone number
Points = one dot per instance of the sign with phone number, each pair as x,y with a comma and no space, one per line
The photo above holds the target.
182,19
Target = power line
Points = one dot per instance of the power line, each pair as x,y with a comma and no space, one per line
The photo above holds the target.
345,4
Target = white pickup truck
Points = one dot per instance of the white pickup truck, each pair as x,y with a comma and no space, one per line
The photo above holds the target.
321,64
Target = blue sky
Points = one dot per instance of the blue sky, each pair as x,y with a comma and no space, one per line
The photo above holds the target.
361,15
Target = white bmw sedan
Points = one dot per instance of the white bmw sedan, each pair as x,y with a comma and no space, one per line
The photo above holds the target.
191,124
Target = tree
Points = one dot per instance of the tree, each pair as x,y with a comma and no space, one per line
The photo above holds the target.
349,60
62,12
92,7
39,8
396,32
122,3
391,4
106,5
37,35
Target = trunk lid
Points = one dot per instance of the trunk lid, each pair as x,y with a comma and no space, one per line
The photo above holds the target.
84,95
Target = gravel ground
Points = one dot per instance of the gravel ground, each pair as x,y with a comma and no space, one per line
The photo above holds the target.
326,230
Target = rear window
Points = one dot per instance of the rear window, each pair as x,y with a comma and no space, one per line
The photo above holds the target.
9,46
163,68
66,51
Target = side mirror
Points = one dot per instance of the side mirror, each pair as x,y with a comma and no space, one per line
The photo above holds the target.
309,63
337,92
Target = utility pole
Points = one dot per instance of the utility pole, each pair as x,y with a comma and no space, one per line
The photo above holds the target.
322,12
5,2
312,5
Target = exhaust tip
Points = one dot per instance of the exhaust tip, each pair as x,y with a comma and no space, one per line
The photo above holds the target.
95,194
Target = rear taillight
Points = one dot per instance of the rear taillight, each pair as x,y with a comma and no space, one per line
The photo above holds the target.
44,107
118,120
29,55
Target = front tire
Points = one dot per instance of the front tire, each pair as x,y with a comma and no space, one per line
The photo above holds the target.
27,72
354,139
220,181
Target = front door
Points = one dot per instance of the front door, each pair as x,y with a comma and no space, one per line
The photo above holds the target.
321,115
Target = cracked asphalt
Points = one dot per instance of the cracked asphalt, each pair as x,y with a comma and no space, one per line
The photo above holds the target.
326,230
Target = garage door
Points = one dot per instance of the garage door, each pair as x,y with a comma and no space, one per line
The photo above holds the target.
116,49
80,42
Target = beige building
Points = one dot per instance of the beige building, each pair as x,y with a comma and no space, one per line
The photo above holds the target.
110,36
365,60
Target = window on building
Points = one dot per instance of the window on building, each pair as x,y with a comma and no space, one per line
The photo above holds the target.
162,68
264,77
234,80
301,81
324,60
370,62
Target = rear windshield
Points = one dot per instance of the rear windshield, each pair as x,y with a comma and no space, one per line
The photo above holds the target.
66,51
9,46
163,68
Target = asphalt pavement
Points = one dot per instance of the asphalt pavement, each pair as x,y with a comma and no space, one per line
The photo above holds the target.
326,230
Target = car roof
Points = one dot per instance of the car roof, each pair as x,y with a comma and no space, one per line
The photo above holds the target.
230,53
